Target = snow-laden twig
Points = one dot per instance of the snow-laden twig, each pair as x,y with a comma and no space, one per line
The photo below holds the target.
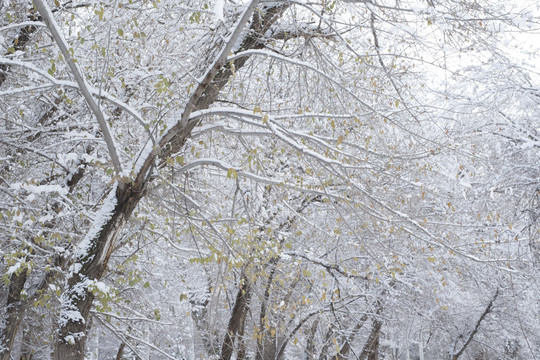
124,318
264,180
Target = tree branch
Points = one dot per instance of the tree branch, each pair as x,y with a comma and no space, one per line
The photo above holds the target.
456,355
83,87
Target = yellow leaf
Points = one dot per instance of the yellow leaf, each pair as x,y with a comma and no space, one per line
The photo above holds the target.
231,173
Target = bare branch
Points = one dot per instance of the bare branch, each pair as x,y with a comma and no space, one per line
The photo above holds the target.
456,355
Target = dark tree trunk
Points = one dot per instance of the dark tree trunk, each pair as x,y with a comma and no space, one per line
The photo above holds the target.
13,313
120,352
346,347
371,348
310,343
235,328
78,299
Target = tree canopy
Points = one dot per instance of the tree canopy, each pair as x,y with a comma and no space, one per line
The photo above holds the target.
348,179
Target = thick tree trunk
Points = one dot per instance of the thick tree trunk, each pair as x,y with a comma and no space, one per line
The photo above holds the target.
371,347
235,328
346,347
13,313
16,304
90,265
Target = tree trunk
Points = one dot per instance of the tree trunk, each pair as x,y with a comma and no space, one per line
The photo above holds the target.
92,262
310,343
236,325
13,313
120,352
371,347
346,347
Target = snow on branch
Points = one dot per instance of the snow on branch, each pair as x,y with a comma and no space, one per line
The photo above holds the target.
23,24
180,129
83,86
306,31
272,125
327,265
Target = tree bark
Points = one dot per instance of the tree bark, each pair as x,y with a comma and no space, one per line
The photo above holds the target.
92,262
16,304
235,328
13,314
371,347
120,352
310,343
346,347
14,309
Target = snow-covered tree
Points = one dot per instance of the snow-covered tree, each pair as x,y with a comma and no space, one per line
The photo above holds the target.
267,179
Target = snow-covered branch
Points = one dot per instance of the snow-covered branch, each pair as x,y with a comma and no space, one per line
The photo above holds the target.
100,117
